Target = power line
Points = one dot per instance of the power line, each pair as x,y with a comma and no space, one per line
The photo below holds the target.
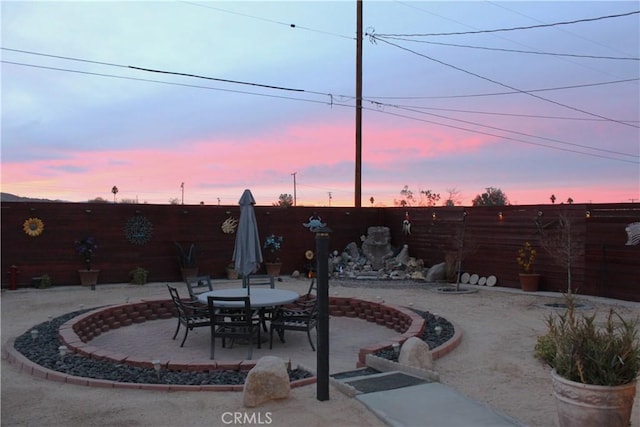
520,133
68,58
290,25
313,101
333,104
559,29
167,83
509,92
530,52
501,84
175,73
529,27
503,136
495,113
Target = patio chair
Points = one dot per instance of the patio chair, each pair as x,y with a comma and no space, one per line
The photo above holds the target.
306,297
258,280
302,317
232,323
190,314
197,285
250,280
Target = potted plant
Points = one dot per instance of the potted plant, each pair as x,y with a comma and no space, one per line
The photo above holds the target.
595,369
86,248
139,276
526,258
187,260
272,245
232,273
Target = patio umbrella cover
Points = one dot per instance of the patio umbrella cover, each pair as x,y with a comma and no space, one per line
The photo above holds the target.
247,253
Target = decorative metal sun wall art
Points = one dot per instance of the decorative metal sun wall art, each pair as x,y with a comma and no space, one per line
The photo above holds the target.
138,230
33,227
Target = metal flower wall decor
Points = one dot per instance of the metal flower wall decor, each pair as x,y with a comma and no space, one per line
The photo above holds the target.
33,227
229,225
138,230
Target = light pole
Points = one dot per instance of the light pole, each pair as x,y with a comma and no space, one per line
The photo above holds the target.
294,188
182,188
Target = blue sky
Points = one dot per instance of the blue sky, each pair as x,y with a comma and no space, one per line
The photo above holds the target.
77,120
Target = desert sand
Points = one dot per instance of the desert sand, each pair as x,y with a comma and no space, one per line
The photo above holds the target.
494,364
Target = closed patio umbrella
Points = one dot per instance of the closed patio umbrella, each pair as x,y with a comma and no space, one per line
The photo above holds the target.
247,253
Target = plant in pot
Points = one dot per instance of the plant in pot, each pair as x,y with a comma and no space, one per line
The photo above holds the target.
187,260
86,248
139,276
232,273
526,258
273,244
595,368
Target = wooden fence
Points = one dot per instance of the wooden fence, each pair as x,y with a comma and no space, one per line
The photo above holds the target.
492,235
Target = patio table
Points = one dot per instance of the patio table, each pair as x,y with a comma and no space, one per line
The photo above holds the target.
259,297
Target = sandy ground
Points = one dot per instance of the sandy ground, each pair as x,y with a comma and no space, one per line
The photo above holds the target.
494,363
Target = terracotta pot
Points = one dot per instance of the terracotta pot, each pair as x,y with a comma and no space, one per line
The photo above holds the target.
529,281
587,405
273,268
232,274
88,277
188,272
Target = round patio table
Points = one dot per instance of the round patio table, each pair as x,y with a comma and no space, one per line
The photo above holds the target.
258,297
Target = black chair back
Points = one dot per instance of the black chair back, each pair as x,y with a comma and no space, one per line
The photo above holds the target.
198,285
258,280
231,322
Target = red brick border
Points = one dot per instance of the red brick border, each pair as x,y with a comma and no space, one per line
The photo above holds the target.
79,331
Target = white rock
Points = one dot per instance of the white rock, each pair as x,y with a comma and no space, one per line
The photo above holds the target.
268,380
415,353
437,272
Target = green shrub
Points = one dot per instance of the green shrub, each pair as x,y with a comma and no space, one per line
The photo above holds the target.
45,281
138,276
582,352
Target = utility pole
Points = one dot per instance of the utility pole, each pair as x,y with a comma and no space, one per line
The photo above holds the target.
358,178
294,188
182,187
330,198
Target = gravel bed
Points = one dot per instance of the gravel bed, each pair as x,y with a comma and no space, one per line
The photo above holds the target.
432,335
44,351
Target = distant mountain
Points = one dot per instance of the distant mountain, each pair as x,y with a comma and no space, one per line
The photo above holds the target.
7,197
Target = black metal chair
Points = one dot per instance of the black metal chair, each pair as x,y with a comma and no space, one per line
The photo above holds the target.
301,317
233,323
250,280
190,314
258,280
306,297
197,285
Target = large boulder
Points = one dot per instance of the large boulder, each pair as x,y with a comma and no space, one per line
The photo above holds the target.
268,380
415,353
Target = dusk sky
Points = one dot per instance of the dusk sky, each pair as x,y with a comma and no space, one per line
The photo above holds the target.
252,92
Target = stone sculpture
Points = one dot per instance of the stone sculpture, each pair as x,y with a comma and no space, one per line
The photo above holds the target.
377,247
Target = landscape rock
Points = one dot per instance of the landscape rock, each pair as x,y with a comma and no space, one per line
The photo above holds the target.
268,380
415,353
437,272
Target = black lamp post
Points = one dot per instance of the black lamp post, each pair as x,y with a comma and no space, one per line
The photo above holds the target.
322,271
